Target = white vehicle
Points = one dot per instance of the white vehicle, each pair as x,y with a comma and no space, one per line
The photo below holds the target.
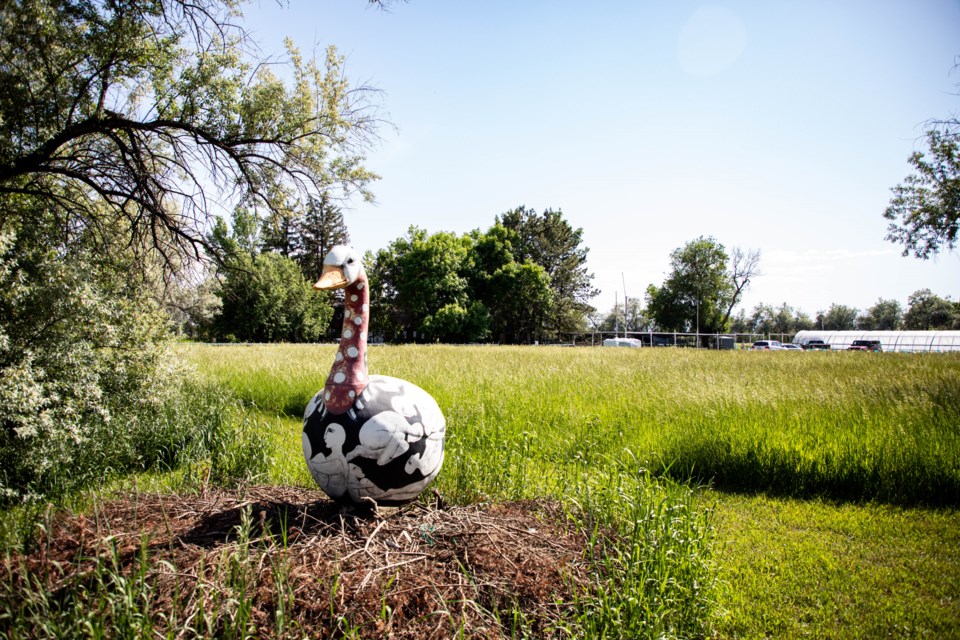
767,345
622,342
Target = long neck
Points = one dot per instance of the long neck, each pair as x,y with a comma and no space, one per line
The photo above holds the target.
348,375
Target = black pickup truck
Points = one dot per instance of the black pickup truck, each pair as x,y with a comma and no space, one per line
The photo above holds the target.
816,345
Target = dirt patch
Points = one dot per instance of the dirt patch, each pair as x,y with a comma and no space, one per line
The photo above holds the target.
289,561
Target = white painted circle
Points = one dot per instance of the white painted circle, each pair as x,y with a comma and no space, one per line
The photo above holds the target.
352,352
347,333
339,377
358,320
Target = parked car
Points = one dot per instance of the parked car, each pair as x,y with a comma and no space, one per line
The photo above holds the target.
789,346
817,345
767,345
865,345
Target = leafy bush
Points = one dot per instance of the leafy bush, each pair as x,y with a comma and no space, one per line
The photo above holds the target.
88,385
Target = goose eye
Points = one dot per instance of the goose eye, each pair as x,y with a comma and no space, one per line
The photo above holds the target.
349,260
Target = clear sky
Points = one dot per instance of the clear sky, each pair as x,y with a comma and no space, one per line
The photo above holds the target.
774,125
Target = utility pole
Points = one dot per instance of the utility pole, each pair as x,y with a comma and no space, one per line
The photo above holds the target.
625,322
616,323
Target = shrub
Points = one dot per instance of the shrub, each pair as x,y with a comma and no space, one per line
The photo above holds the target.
88,385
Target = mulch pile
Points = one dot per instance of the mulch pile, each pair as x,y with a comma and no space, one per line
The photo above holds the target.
417,571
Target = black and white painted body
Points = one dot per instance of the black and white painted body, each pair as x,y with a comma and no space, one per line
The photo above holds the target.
387,447
368,437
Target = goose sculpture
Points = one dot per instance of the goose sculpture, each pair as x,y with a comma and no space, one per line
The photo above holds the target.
368,437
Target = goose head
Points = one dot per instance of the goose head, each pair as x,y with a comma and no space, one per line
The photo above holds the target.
341,268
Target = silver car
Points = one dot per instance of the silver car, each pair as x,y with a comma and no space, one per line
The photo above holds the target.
767,345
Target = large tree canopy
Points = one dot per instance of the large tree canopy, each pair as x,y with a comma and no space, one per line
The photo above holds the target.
925,208
548,240
885,315
698,291
839,317
126,126
150,111
924,211
929,311
442,287
418,284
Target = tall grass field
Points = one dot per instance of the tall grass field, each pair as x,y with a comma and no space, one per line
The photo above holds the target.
826,483
751,494
847,426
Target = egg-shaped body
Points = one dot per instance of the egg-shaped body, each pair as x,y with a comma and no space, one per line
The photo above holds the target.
388,447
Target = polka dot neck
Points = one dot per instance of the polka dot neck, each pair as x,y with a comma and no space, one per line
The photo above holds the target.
348,375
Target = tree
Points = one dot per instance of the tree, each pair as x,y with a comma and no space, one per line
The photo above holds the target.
697,293
548,240
421,286
928,311
520,299
192,303
636,318
457,323
838,318
925,208
149,112
123,126
885,315
85,376
266,299
744,267
517,294
783,320
321,228
279,232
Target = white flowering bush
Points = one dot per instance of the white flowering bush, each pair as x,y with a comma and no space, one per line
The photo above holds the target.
88,385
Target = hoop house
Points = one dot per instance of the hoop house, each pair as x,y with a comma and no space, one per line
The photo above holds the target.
905,341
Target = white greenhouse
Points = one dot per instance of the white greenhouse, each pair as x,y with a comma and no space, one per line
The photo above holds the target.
906,341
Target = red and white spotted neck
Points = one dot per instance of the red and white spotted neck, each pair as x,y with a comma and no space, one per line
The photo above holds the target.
348,375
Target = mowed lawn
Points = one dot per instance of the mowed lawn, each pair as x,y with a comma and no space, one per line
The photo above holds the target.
831,480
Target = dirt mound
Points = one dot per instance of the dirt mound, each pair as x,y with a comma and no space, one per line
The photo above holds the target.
287,561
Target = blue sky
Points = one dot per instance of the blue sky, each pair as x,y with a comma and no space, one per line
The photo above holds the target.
774,125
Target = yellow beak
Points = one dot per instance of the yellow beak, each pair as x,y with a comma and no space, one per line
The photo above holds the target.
331,278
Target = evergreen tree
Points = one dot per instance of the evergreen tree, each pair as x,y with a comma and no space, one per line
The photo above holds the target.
280,233
320,229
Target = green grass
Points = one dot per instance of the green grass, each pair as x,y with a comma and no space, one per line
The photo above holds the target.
839,474
849,426
830,458
813,569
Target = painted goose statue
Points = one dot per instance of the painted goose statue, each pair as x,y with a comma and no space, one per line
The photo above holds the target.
368,437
